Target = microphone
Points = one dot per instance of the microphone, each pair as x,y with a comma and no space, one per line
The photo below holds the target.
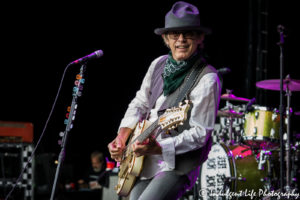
92,56
224,70
249,104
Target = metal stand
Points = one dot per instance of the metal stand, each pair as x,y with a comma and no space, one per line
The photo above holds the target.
280,29
69,125
287,144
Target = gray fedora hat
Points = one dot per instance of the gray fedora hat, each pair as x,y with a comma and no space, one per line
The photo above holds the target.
182,16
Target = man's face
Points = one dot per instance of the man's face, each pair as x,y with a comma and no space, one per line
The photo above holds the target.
96,164
183,44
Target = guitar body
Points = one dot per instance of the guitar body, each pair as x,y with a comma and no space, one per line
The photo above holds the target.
131,166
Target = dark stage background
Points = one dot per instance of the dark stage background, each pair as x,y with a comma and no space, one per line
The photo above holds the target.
39,40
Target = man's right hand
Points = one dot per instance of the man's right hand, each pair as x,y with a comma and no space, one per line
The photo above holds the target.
117,146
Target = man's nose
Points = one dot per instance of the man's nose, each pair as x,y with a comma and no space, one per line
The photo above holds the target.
181,37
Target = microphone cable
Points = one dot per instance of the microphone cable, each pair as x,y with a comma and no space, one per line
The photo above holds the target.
42,134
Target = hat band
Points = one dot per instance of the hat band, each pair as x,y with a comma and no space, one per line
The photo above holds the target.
177,22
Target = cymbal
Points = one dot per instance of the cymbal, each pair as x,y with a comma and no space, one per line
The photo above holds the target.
274,84
231,97
229,113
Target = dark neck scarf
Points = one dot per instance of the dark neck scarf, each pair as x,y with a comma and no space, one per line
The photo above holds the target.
175,72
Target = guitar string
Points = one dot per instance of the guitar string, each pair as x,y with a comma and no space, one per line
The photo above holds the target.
151,127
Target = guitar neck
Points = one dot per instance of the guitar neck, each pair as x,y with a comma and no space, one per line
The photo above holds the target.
146,133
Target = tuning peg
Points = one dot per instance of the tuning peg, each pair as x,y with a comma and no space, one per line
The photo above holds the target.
181,123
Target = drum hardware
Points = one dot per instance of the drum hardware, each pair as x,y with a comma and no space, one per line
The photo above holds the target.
288,85
235,168
263,157
249,106
228,180
238,157
295,172
228,96
288,144
231,115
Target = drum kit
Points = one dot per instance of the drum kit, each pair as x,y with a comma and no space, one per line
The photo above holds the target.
245,155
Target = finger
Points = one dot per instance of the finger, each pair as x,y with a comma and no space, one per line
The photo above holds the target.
133,146
118,143
112,145
137,154
146,141
115,156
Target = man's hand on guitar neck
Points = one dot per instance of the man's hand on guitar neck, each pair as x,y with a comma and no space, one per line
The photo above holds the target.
117,146
148,147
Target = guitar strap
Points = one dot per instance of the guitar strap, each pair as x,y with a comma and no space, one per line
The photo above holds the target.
156,88
182,92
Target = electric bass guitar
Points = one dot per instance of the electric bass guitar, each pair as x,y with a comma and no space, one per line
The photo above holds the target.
131,166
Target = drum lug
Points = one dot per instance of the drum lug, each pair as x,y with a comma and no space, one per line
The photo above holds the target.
255,131
264,179
256,115
238,157
241,178
272,133
274,116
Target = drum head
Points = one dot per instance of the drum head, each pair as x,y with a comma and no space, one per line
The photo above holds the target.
236,169
216,171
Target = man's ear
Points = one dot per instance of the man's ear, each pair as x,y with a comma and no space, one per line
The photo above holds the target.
166,40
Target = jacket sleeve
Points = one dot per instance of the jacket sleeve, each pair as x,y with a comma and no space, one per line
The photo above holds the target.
138,107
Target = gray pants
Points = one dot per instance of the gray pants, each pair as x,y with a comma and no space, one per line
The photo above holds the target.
164,186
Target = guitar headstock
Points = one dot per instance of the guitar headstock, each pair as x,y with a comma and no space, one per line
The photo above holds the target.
175,116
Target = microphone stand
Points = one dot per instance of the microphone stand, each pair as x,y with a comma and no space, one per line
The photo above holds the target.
77,90
280,44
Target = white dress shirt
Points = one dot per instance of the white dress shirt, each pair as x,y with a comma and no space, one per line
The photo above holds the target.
205,99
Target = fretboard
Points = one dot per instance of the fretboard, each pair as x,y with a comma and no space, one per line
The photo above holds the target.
146,133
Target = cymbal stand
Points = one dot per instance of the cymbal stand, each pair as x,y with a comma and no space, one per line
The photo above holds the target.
280,29
230,118
287,144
